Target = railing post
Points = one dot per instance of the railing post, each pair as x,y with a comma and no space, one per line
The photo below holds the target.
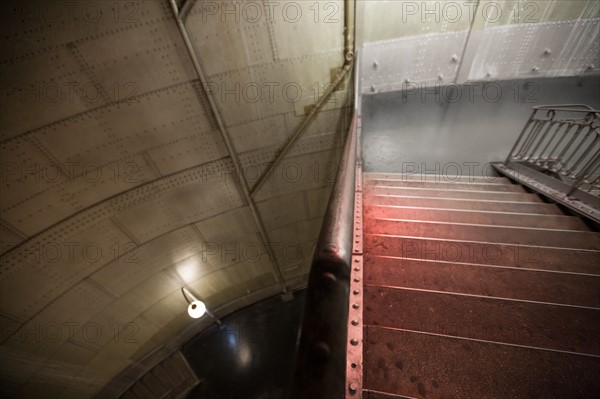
512,150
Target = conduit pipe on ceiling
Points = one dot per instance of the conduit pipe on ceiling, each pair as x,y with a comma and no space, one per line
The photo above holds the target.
240,179
349,11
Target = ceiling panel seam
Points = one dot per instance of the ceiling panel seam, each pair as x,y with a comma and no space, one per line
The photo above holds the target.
125,231
100,287
176,278
110,199
97,109
150,162
261,65
49,155
24,57
12,229
88,71
199,233
272,38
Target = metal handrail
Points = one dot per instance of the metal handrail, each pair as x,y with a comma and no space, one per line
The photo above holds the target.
565,148
559,157
321,356
566,107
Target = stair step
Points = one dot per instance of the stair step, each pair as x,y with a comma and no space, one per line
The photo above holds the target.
511,255
475,205
485,233
494,187
508,321
446,193
560,222
475,288
525,284
440,178
416,365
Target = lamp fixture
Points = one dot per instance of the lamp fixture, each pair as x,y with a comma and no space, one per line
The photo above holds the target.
196,308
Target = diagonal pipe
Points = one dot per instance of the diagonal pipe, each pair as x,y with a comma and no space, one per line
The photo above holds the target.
240,179
349,10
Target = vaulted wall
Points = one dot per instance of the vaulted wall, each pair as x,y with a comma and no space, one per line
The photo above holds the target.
117,186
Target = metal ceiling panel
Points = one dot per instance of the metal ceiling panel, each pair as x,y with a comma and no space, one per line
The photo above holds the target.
42,25
255,163
74,352
26,172
196,148
211,284
146,122
280,208
143,296
221,227
51,203
182,199
220,288
163,311
110,360
30,87
297,172
44,334
10,236
253,135
248,94
55,263
150,258
247,36
293,19
22,367
118,62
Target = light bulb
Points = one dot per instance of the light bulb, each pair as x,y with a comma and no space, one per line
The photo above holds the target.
196,309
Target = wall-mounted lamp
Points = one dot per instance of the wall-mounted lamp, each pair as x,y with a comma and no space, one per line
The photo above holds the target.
196,308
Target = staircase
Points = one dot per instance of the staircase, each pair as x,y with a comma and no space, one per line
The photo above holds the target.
476,288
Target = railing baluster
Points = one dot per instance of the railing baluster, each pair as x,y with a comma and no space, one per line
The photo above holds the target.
542,136
558,147
566,142
589,167
587,151
567,147
532,136
522,135
556,132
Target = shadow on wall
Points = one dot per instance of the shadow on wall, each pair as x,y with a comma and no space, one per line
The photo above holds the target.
251,355
458,129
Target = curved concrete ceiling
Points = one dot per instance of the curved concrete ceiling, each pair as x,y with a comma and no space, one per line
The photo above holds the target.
117,186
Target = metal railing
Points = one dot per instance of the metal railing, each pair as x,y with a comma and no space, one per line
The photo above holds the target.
563,141
321,357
